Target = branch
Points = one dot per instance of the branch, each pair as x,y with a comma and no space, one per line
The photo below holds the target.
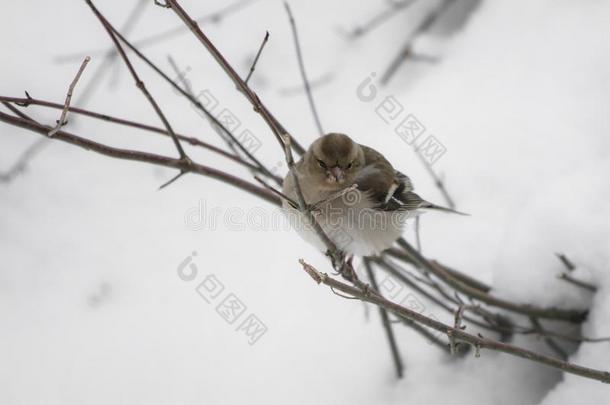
105,117
379,19
550,342
258,54
578,283
297,46
568,278
386,323
62,119
438,182
478,342
407,48
151,158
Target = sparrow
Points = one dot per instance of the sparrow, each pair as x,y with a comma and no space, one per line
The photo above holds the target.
359,199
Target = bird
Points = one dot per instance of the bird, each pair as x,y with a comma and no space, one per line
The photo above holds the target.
358,198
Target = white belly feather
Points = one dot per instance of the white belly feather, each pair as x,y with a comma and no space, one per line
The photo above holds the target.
351,223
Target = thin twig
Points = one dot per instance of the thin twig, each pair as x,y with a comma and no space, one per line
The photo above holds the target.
334,196
290,201
398,364
550,342
566,262
578,283
378,19
185,83
457,324
320,81
297,46
407,48
570,267
258,54
438,182
478,342
62,119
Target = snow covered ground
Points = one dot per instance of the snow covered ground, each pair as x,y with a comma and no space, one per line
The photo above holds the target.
93,309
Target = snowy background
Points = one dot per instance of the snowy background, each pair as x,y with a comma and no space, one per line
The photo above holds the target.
92,309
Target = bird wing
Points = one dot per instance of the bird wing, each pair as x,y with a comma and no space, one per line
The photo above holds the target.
387,188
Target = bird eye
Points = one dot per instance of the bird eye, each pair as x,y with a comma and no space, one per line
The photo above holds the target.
349,166
321,164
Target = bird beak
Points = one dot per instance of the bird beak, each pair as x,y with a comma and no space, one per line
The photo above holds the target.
336,174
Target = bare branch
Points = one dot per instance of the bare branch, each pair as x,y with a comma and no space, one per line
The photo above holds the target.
566,262
277,192
550,342
62,119
258,54
320,81
438,182
297,46
152,158
565,276
578,283
378,19
478,341
105,117
407,49
385,320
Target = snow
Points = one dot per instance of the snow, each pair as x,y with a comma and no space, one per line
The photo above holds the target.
91,304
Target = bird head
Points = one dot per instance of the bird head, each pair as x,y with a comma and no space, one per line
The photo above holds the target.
335,160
